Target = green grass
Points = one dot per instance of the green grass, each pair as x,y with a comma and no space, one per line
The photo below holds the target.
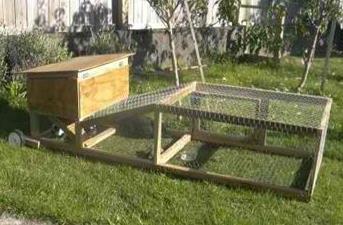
70,190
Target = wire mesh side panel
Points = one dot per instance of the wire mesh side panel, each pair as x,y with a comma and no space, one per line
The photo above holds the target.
215,105
244,163
134,136
294,109
239,116
137,101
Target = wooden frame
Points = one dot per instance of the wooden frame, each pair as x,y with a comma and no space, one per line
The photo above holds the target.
82,145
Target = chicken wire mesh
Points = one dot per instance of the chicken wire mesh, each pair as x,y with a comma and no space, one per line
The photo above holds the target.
214,106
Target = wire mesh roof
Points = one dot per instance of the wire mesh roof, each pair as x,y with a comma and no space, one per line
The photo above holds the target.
250,103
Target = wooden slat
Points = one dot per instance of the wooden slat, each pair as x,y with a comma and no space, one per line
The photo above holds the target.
175,148
235,181
180,94
157,137
64,20
99,137
21,14
179,170
74,8
245,142
2,11
102,91
108,4
79,64
326,114
9,13
262,113
57,97
53,13
31,142
32,13
317,160
43,14
227,96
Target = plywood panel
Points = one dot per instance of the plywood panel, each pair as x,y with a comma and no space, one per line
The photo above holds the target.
21,14
9,13
56,96
80,63
99,92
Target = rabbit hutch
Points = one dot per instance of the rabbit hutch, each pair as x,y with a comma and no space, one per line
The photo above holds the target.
245,137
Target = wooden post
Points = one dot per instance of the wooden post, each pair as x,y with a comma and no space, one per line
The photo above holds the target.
157,137
78,136
196,122
317,160
34,125
260,135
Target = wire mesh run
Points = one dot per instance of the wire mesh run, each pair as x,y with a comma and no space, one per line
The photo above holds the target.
218,132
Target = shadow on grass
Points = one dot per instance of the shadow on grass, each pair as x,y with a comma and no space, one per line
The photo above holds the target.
12,118
302,174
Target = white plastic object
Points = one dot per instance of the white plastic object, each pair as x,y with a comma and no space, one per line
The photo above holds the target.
188,157
57,131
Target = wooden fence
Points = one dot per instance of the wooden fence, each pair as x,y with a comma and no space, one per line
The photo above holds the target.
73,15
55,15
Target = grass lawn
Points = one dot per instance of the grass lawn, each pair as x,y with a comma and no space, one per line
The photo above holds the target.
69,190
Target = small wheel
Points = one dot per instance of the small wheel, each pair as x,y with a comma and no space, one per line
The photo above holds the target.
16,138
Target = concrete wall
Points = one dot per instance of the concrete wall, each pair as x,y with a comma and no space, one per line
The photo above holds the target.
152,46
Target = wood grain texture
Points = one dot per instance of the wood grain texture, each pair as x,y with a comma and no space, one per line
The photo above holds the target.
99,137
32,13
64,14
101,91
21,14
53,13
57,97
157,137
2,11
42,19
9,13
175,148
79,64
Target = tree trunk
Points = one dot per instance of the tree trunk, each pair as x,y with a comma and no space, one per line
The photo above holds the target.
328,55
194,41
309,60
172,47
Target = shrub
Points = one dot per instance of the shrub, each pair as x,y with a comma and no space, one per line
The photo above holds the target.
24,51
105,42
31,49
15,93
